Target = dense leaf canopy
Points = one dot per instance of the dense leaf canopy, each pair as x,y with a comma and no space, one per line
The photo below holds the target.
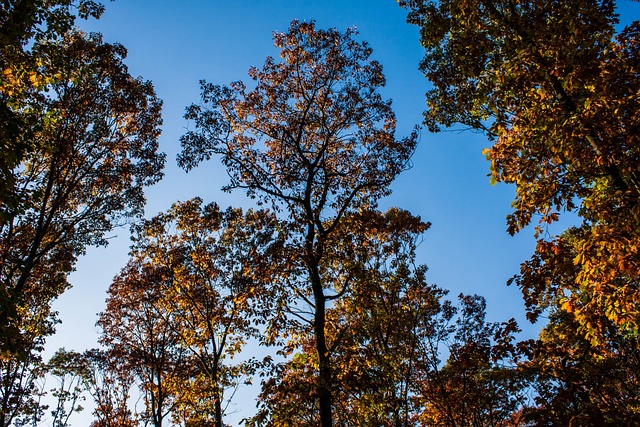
557,89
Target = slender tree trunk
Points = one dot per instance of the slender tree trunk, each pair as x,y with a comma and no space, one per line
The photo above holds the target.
218,398
324,380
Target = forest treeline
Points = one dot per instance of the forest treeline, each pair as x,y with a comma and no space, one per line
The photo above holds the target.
326,282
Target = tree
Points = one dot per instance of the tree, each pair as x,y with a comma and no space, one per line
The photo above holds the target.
20,388
96,150
369,328
556,87
479,383
315,140
579,382
23,23
70,371
410,358
93,151
109,386
142,339
211,267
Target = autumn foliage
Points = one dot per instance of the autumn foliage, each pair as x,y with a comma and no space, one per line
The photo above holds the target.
554,85
315,278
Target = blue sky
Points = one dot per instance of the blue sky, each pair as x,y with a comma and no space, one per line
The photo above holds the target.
176,43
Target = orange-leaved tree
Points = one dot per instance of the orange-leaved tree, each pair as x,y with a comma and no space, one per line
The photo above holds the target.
25,24
210,266
403,356
313,138
556,87
140,337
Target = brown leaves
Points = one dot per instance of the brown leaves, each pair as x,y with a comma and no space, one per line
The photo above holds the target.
327,135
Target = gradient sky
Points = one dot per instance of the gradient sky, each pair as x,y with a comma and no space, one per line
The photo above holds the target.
176,43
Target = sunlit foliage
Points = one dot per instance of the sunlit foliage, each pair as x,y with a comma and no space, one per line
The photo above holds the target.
313,139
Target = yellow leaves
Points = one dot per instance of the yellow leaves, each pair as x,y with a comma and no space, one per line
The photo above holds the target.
608,265
15,81
12,83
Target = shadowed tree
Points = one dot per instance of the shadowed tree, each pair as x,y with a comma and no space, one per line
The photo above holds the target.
24,22
314,139
479,383
556,87
93,152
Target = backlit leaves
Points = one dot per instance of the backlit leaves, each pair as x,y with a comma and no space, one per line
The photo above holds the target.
556,88
313,138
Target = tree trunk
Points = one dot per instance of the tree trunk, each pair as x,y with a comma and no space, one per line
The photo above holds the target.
217,397
325,380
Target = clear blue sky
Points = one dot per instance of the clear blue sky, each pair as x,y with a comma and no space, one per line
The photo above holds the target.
176,43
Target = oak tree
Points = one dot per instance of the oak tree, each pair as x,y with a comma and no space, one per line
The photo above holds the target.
313,138
555,86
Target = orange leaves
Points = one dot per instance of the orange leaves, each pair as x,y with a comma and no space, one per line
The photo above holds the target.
316,142
199,282
292,138
560,97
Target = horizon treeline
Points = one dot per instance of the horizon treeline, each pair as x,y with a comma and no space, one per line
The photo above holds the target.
316,274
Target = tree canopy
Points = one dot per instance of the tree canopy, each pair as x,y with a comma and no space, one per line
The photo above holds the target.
79,145
555,85
315,291
312,138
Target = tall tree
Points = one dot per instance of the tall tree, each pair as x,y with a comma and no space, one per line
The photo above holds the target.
70,371
556,87
315,140
92,152
410,358
371,329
